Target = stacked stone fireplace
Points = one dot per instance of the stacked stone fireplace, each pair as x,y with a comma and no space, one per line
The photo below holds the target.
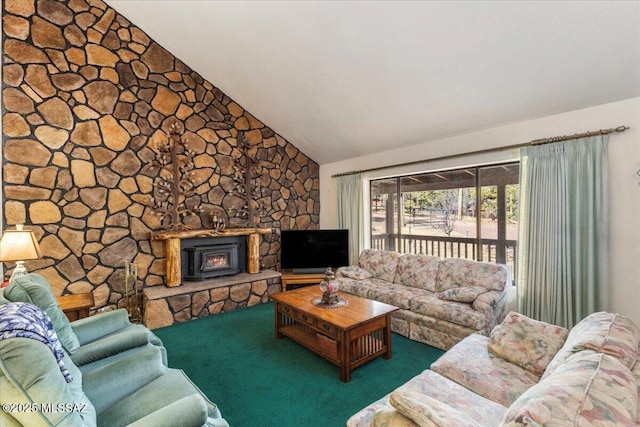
87,96
209,272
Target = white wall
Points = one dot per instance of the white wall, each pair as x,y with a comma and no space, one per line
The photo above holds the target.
624,166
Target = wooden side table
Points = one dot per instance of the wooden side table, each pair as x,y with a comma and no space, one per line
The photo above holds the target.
288,278
76,306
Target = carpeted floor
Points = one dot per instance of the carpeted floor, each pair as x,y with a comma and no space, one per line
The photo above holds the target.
259,381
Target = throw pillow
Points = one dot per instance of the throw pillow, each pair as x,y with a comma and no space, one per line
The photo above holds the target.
427,411
456,272
353,272
418,271
589,389
381,264
462,294
528,343
391,418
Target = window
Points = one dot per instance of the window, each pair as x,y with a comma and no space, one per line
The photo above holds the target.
466,213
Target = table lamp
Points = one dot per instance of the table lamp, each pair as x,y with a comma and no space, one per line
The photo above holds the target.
19,245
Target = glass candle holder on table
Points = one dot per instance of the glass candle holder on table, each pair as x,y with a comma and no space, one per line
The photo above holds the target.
329,287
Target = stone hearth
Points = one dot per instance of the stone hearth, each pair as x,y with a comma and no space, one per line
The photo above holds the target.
164,306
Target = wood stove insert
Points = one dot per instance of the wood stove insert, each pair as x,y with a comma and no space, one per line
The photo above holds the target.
206,262
208,258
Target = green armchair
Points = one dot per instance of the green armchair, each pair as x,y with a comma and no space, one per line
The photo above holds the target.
119,370
134,391
91,341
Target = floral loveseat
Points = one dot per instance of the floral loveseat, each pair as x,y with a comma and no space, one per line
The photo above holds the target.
441,301
528,373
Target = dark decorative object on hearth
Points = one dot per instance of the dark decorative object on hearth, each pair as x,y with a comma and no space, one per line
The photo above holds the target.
174,183
132,294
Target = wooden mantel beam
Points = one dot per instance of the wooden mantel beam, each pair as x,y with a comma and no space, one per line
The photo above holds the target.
173,251
190,234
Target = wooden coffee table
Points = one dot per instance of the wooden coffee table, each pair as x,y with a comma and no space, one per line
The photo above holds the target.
348,336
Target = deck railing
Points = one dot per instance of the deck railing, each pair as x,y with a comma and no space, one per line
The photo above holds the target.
491,250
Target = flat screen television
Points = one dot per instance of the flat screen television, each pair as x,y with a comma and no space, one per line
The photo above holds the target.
312,251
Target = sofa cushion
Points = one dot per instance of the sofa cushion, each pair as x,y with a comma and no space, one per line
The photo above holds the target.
528,343
387,292
381,264
603,332
390,418
351,286
470,364
135,336
34,289
456,272
353,272
462,294
589,389
172,388
418,271
460,313
477,408
427,411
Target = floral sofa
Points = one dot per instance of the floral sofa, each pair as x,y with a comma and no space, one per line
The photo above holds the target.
441,301
527,373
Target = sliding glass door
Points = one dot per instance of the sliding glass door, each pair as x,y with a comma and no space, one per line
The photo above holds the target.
465,213
384,214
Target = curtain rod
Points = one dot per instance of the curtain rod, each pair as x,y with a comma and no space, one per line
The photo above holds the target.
490,150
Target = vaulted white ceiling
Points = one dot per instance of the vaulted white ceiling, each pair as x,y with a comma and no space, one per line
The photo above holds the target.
340,79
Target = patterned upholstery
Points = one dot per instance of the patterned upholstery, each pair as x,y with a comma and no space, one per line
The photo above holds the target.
381,264
526,342
609,333
470,364
412,283
462,294
588,384
429,383
455,312
418,271
588,389
353,272
436,332
456,272
400,296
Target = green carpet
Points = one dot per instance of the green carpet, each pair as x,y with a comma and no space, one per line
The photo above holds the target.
259,381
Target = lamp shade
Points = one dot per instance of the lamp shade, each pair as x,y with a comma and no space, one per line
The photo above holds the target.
19,245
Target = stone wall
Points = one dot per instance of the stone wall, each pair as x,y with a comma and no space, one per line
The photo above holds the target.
86,95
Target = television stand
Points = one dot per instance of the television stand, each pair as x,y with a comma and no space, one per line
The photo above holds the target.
290,278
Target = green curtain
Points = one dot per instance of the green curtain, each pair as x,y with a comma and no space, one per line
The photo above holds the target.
563,235
351,212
